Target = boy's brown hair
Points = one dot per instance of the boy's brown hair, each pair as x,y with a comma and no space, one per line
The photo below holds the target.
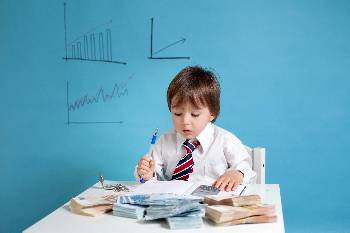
198,86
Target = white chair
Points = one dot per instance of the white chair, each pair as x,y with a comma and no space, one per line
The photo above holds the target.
258,162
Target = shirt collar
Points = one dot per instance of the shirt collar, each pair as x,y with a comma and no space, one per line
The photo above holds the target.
205,137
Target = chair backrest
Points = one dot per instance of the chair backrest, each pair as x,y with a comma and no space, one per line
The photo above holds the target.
258,162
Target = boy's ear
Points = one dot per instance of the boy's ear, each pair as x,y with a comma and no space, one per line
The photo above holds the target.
212,117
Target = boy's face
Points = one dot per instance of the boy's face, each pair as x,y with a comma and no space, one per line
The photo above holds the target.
189,121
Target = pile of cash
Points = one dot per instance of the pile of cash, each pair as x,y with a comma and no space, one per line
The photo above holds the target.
187,220
233,201
129,211
239,210
181,212
90,205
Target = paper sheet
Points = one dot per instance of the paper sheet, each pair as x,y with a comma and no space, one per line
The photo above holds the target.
177,187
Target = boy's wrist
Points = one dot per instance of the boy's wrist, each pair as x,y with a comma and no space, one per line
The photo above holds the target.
241,176
241,173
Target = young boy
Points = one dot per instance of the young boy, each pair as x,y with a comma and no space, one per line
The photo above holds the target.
196,149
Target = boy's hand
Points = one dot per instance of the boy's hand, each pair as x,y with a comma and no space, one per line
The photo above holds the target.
145,168
229,180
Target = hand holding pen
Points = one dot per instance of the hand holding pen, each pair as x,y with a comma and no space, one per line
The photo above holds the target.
146,166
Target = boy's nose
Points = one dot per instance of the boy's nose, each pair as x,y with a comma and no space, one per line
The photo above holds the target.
186,119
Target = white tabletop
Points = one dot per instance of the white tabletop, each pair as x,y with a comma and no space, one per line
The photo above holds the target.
62,220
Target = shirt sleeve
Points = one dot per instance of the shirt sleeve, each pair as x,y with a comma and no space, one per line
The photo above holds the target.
238,158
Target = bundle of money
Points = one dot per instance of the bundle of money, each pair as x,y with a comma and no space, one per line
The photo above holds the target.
252,219
90,206
189,220
95,201
129,211
181,212
158,199
232,215
233,200
157,212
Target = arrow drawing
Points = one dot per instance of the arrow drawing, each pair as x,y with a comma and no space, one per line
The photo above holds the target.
164,48
172,44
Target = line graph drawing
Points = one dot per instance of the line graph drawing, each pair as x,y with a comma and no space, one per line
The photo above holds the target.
119,90
93,45
181,41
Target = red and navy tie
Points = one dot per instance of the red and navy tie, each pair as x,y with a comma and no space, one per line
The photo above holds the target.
184,167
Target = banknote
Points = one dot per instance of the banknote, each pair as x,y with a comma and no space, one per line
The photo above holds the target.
180,212
251,220
156,212
162,199
129,211
225,213
232,200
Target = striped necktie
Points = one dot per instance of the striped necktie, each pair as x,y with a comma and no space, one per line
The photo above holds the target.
184,167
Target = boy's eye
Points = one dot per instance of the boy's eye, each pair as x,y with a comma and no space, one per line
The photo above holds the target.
177,114
195,115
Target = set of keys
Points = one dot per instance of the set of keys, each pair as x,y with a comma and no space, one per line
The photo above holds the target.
115,187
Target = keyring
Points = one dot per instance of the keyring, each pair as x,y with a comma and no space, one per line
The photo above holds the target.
115,187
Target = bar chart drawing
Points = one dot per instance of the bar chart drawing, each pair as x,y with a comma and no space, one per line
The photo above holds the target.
152,53
119,90
94,45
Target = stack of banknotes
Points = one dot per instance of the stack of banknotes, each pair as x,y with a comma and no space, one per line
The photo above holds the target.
129,211
239,210
187,220
233,200
181,212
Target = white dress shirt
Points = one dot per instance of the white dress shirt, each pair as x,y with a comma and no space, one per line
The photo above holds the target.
218,152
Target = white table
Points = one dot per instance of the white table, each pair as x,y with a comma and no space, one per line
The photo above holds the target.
64,221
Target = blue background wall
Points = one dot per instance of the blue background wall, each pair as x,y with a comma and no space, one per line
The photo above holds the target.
284,71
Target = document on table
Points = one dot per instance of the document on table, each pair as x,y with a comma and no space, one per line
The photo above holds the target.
179,187
154,186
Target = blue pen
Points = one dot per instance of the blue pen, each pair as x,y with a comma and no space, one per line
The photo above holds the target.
153,141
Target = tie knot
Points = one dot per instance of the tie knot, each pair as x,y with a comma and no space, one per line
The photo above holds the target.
190,146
